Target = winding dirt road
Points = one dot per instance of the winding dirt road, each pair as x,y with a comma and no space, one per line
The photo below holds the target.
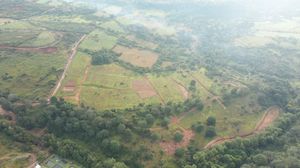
70,59
270,115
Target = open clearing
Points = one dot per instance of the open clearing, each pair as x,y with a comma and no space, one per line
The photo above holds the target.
137,57
270,115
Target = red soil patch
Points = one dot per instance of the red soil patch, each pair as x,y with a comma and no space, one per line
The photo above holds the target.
171,146
144,88
175,120
70,86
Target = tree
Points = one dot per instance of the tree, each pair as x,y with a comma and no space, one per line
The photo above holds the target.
178,137
260,160
150,119
198,127
211,121
210,132
179,152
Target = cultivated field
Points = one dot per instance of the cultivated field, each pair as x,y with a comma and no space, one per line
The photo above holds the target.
137,57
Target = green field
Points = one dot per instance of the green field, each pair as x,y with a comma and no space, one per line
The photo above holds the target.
30,75
98,40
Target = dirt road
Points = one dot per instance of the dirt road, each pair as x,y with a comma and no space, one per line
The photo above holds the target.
70,59
270,115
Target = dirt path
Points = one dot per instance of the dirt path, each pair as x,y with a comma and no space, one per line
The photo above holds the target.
182,89
69,61
159,95
217,98
77,96
270,115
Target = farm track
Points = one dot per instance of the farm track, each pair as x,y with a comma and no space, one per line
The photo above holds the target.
183,89
159,95
215,97
271,114
69,61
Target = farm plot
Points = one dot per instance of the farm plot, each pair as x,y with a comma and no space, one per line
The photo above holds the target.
98,40
142,43
74,75
10,38
29,74
43,39
111,86
144,88
137,57
18,25
167,88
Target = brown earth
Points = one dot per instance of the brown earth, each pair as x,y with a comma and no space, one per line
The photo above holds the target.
170,147
70,86
271,114
143,88
157,92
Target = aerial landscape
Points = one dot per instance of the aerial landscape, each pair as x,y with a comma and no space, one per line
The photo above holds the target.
149,84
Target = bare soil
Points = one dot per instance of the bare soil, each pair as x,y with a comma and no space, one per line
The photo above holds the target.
170,147
70,86
143,88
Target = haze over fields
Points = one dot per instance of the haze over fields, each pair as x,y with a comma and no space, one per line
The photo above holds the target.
149,83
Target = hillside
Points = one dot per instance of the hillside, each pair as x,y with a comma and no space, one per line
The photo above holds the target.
147,83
